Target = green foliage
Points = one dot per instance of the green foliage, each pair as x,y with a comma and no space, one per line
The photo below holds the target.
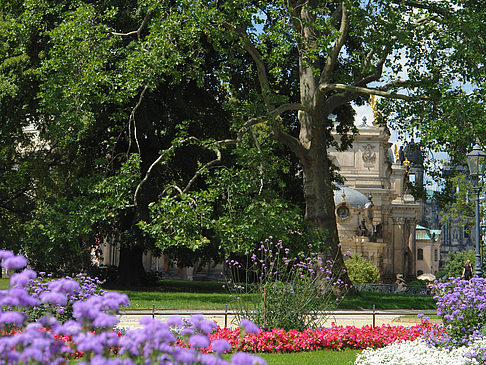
455,262
418,282
361,270
108,83
461,204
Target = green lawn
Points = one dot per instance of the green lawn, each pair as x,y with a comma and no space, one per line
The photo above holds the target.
175,294
143,299
388,301
313,358
178,294
346,357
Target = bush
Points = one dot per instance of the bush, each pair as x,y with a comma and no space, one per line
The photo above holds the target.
462,306
82,287
107,274
455,262
290,292
361,270
418,282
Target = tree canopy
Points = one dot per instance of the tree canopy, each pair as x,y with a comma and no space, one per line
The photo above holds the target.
206,124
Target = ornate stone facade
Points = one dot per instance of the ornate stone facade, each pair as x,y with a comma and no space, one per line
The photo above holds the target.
382,228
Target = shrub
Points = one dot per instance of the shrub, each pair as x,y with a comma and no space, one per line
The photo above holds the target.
418,282
290,292
82,288
462,306
455,262
361,270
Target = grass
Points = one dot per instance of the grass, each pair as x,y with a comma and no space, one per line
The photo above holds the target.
179,300
192,295
346,357
387,301
178,294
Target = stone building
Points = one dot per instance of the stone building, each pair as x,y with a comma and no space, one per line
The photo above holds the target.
376,214
428,249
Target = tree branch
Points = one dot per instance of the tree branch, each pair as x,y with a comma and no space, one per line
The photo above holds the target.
285,138
132,120
363,90
261,119
425,6
152,166
331,60
135,32
379,66
257,58
290,141
205,166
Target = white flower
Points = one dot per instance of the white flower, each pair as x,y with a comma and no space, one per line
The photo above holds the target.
417,353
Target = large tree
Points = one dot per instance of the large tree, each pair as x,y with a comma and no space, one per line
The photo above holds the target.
292,69
335,53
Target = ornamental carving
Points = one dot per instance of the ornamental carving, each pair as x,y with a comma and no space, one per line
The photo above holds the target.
369,155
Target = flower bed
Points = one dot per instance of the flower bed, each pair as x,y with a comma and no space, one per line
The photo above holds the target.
334,338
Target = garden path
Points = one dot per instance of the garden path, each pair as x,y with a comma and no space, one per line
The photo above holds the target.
354,318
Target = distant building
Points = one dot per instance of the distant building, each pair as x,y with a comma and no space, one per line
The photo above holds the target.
428,249
375,212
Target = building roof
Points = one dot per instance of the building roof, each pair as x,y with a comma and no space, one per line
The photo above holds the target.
425,234
351,196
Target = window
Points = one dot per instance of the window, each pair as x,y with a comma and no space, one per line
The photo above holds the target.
342,211
420,254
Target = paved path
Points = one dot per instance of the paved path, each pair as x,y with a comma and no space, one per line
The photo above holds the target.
355,318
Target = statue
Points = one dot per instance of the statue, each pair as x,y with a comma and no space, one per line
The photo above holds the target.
401,285
374,106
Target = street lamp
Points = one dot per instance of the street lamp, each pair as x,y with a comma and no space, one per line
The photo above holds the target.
476,160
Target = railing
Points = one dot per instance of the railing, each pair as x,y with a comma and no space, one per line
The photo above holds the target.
393,288
373,313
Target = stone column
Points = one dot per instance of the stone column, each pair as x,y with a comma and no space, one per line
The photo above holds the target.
398,245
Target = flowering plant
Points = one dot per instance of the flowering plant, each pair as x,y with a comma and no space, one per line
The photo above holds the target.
334,338
36,287
418,352
90,333
462,306
291,292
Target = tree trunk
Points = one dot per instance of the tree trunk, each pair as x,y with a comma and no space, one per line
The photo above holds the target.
130,269
319,198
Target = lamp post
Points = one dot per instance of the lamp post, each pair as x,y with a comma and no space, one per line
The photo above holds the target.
476,160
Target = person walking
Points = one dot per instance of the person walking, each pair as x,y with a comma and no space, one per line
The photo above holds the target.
467,271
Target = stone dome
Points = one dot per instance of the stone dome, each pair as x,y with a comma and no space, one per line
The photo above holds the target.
351,196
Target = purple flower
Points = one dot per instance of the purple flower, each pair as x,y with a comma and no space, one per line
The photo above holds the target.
184,356
64,285
53,298
199,341
175,321
23,278
88,342
5,254
12,317
69,328
220,346
105,320
15,262
249,327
